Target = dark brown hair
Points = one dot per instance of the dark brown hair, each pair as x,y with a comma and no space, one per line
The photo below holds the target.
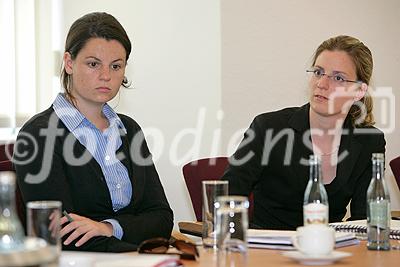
93,25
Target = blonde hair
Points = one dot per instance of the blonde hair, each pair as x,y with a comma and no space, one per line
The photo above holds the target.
362,58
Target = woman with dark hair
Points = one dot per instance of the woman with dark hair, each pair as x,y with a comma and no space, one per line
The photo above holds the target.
336,125
95,161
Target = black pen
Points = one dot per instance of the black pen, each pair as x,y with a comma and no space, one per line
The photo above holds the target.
68,217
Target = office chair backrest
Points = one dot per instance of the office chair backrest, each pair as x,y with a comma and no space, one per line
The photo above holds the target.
201,170
6,151
395,166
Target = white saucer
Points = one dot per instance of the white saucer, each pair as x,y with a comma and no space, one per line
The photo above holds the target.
316,260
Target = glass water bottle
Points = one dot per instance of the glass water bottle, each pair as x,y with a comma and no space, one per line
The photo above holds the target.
378,207
11,231
316,206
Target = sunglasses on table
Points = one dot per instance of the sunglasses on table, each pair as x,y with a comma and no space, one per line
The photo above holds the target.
159,245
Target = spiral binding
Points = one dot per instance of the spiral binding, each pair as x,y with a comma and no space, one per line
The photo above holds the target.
360,229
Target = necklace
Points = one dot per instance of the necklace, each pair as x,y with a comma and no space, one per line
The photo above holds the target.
317,151
330,153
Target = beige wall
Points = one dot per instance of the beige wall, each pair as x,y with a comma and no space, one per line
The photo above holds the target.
243,57
266,46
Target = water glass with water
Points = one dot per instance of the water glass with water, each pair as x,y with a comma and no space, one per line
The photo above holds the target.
231,230
211,189
43,221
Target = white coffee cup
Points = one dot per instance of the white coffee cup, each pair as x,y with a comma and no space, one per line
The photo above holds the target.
314,239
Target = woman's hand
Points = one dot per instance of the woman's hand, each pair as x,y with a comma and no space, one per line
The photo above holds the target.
85,227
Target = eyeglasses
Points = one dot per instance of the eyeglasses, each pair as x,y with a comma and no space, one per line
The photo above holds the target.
187,250
336,78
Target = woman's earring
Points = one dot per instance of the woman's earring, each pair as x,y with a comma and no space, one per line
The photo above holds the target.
126,83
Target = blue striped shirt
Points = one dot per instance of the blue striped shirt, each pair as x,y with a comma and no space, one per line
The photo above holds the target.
102,146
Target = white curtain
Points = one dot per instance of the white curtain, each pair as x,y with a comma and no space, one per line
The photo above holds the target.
29,68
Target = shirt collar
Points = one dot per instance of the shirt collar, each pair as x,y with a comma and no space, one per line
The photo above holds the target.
113,117
67,113
72,118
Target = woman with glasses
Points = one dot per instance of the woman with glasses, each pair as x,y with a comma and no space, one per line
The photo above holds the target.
81,152
336,125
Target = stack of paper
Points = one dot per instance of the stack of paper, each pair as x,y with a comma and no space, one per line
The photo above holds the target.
131,259
271,239
275,239
142,261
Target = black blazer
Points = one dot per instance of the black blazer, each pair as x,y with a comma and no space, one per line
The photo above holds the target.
276,168
82,187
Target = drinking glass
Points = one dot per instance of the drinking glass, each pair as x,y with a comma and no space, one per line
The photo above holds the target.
43,221
231,230
211,190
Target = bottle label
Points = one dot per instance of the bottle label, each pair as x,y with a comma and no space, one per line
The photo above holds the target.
315,213
379,214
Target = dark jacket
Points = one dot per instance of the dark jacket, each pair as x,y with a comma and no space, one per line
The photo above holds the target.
279,186
82,187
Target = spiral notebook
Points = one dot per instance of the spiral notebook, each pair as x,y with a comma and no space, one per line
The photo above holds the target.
360,227
282,239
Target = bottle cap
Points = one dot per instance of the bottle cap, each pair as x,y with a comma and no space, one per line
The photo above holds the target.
7,178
